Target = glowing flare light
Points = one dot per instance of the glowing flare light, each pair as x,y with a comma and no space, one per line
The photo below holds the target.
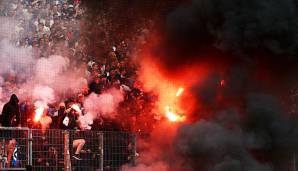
171,113
38,114
172,116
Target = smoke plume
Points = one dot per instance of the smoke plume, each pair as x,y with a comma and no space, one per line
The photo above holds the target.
55,71
104,104
230,31
42,80
238,121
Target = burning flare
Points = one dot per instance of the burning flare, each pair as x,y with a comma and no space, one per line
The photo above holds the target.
38,114
173,116
171,112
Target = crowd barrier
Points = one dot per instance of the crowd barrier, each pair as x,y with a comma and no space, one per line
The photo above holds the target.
53,149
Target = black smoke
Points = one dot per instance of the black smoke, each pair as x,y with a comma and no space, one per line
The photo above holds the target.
247,129
210,146
257,136
234,30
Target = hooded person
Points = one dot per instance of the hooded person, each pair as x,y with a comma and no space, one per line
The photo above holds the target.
10,117
11,112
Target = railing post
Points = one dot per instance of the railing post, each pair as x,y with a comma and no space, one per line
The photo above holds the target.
134,149
101,151
30,147
67,161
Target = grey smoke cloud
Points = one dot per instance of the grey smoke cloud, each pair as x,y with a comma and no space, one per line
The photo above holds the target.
238,25
235,138
34,75
209,146
235,30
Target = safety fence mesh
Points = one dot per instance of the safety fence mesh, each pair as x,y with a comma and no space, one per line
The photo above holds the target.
56,150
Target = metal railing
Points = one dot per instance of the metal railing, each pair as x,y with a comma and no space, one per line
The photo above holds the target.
119,149
19,151
54,150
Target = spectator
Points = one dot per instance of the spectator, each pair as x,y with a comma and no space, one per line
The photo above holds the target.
10,110
69,122
56,27
96,86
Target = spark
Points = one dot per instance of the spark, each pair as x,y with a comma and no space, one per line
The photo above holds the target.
179,92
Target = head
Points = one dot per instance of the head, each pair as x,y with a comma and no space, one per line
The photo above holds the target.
73,112
14,99
62,105
59,7
55,8
30,8
94,66
40,26
65,6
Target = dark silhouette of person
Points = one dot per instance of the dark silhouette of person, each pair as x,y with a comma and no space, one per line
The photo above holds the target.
11,110
10,118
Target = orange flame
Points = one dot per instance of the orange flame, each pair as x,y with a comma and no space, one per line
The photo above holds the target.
38,114
171,112
172,116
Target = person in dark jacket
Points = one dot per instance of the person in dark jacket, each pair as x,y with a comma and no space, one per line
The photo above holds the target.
68,120
11,112
10,118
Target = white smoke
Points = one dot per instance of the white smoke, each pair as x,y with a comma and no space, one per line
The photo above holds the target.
15,59
85,121
48,79
55,71
42,80
104,104
47,69
8,29
43,95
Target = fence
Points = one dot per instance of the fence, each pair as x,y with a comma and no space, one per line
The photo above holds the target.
119,148
20,150
54,150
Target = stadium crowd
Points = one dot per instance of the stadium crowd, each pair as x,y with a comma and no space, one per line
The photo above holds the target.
64,27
